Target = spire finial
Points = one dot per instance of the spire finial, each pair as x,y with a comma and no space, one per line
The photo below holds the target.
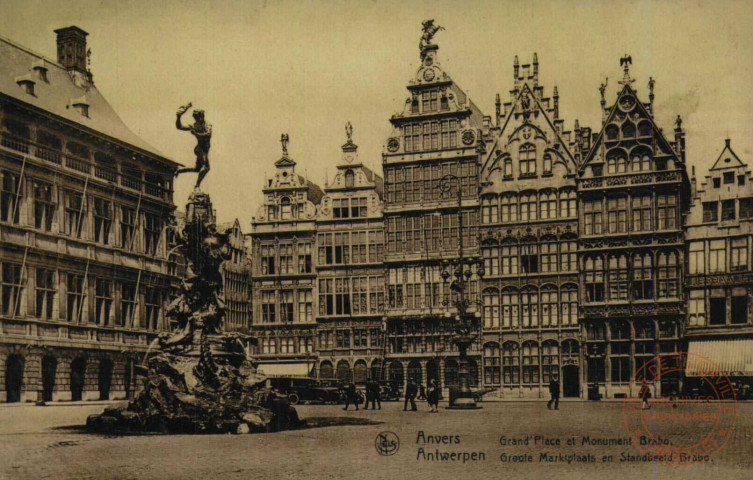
625,63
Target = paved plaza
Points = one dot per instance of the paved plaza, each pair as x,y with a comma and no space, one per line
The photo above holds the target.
41,442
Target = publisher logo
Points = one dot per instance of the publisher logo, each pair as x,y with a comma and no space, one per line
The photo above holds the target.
387,443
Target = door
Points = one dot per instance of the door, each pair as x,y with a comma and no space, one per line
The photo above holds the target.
14,377
571,381
49,369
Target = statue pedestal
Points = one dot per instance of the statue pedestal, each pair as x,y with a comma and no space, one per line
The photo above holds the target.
199,206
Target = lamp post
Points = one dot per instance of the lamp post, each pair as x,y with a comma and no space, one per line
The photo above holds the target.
458,272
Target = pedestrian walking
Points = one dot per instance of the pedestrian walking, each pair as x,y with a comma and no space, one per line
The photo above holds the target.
372,395
433,396
350,396
554,391
410,395
645,395
421,392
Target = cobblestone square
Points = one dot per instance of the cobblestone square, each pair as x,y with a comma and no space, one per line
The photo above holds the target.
40,442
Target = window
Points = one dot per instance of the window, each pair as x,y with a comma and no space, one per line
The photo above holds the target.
50,146
549,255
549,307
127,227
45,290
717,257
717,182
510,317
548,206
342,339
594,279
697,308
728,210
527,158
710,211
9,198
618,277
568,256
696,258
643,284
528,207
350,178
511,364
128,306
286,209
429,101
305,306
530,363
507,172
547,166
74,301
739,254
640,162
568,204
550,359
509,259
491,309
739,312
509,208
741,180
729,177
12,289
489,210
304,258
44,206
286,259
152,308
74,214
152,233
569,305
592,217
668,273
620,352
491,260
491,364
102,221
746,208
718,308
358,206
268,307
641,210
529,260
267,260
616,164
359,295
411,134
286,306
529,301
103,299
617,215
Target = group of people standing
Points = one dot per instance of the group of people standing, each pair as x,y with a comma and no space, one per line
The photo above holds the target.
431,396
373,395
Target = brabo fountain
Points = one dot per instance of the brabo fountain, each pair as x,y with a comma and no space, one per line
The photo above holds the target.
199,378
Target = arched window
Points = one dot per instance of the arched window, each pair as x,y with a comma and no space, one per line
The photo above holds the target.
547,166
530,363
612,132
511,364
569,305
507,168
510,318
618,277
509,203
489,209
491,364
491,308
594,278
568,204
286,209
326,371
350,178
640,160
527,159
616,163
360,372
548,205
644,128
343,371
550,360
643,283
529,300
397,372
549,307
570,348
667,275
628,130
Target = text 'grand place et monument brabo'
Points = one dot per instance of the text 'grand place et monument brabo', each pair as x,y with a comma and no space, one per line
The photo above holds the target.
491,256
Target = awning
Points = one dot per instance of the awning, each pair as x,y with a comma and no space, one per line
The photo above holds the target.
299,369
716,357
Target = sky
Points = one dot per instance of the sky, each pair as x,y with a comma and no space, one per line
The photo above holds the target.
263,68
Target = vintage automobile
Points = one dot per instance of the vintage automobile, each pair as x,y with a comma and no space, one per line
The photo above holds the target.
305,389
478,393
389,392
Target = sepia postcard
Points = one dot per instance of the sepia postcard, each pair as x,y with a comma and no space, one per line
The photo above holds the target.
376,239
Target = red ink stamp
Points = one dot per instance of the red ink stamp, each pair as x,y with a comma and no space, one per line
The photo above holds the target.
679,429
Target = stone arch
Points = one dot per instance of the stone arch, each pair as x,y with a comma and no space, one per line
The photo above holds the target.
49,371
360,372
451,372
78,378
15,365
397,372
414,372
104,378
433,372
376,370
326,370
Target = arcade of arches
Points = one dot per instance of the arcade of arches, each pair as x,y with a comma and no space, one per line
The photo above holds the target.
51,376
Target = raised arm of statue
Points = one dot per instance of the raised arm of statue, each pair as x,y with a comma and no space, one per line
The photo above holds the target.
179,114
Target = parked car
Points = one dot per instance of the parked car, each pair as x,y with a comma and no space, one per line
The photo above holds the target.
305,389
478,393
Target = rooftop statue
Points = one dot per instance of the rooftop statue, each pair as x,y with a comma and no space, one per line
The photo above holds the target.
429,30
203,133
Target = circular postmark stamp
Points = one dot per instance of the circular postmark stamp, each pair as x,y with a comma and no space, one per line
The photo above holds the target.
387,443
677,428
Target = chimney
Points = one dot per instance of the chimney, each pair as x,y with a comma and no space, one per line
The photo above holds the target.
72,53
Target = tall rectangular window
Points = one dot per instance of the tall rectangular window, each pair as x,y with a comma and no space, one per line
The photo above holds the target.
9,198
103,300
592,217
267,260
491,261
668,275
304,257
718,308
568,256
286,259
617,277
75,214
594,279
710,211
739,310
45,293
697,308
286,306
305,306
102,221
11,289
128,306
127,227
746,208
643,284
696,258
152,233
44,206
152,308
617,214
717,256
268,307
75,295
739,254
728,210
641,210
666,212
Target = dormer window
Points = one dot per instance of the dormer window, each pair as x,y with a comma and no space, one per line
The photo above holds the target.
26,83
286,209
40,70
350,179
81,105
